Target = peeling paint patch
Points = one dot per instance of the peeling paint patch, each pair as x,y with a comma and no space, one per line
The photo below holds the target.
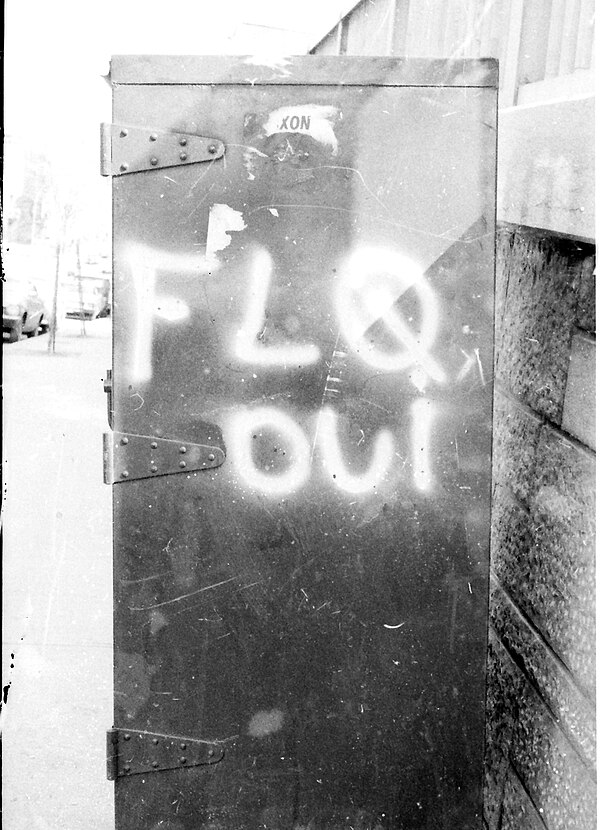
221,220
278,62
266,723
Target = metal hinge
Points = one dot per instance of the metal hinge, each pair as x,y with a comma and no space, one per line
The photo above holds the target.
108,389
125,149
128,457
131,752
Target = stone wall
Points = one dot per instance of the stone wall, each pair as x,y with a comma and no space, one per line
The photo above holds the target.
540,757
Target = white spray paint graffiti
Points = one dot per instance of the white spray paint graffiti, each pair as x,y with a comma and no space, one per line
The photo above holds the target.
144,263
171,309
245,426
247,342
370,285
372,281
335,466
422,416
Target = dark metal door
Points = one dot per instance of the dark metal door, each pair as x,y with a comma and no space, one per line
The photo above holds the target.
303,317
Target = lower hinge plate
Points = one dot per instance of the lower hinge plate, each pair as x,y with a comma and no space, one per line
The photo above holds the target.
132,752
128,457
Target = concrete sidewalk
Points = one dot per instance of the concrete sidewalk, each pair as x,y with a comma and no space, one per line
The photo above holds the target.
57,629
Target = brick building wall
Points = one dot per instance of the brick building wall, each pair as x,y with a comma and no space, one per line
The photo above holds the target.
540,758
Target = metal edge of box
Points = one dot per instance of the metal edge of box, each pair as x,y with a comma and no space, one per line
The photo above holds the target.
303,70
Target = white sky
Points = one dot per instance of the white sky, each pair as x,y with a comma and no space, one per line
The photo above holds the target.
56,52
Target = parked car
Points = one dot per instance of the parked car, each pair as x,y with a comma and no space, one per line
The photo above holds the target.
85,298
23,310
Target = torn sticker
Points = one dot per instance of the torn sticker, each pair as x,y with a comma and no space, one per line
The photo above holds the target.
250,156
315,120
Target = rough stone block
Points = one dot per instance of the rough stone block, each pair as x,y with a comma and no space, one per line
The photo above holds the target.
518,811
586,307
512,540
557,781
541,276
559,784
579,410
544,556
516,433
563,526
572,710
503,689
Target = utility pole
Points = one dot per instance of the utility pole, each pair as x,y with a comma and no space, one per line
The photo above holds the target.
53,320
61,243
80,289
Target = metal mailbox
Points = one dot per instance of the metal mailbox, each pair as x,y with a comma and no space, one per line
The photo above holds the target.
300,448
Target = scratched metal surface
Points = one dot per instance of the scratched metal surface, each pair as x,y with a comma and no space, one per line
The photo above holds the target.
320,299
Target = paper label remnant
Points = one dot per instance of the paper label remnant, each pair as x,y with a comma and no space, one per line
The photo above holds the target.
221,220
315,120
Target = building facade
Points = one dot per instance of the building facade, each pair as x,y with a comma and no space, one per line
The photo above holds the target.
540,762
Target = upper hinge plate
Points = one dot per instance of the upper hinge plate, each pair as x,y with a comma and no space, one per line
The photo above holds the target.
131,752
125,149
128,457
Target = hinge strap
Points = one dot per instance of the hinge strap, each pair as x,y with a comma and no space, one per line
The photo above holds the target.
131,752
125,149
128,457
